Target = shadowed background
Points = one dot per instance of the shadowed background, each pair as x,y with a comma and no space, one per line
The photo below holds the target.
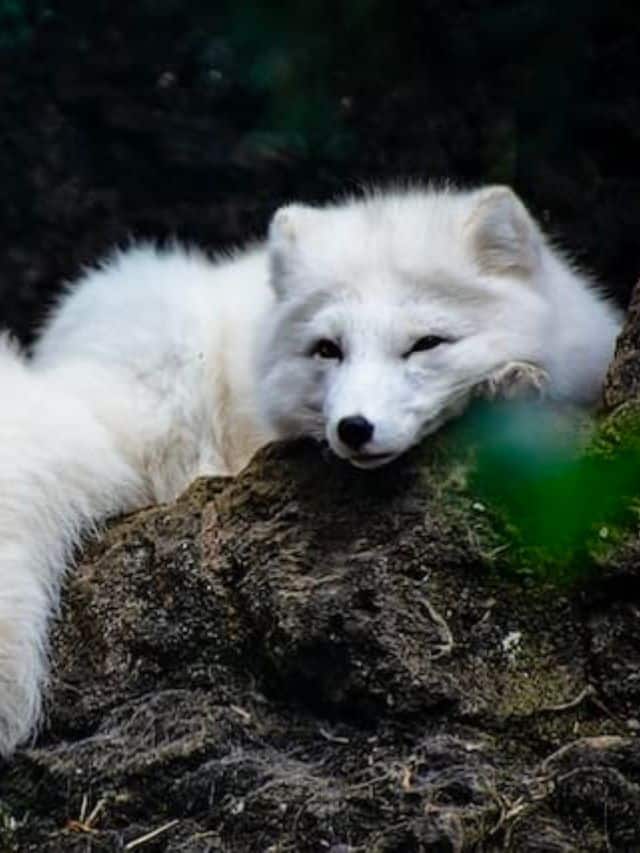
197,119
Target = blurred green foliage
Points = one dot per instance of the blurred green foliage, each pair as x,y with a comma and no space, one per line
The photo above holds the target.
555,495
15,29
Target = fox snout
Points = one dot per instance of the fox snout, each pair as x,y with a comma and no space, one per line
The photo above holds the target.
353,440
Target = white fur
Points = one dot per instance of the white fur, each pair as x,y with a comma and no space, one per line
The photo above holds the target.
160,366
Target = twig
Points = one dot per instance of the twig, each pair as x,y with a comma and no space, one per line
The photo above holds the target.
588,691
331,737
142,839
597,742
447,645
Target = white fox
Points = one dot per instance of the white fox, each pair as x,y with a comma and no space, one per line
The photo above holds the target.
366,324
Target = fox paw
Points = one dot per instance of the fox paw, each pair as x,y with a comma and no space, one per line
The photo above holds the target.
516,380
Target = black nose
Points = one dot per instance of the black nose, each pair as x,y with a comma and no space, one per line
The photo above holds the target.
355,431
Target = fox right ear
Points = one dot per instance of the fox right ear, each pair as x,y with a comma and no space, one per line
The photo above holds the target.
505,238
287,226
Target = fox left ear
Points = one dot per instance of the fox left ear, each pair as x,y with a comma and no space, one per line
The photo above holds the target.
287,226
505,238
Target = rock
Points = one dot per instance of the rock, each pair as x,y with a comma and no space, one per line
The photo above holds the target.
308,657
623,379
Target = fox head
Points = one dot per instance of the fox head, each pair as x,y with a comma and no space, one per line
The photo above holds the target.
391,309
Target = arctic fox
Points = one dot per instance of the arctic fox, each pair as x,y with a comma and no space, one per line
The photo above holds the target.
366,324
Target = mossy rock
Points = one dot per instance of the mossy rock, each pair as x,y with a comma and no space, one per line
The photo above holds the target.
309,657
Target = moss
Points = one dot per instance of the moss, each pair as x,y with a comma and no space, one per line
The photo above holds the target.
8,829
618,432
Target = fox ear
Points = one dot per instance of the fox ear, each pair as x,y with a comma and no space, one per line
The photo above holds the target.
287,226
505,238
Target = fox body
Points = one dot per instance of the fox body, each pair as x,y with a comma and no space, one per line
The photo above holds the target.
366,324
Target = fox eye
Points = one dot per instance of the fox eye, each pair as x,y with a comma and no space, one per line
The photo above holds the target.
326,349
427,343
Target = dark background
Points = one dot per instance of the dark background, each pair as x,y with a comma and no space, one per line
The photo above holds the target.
198,119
